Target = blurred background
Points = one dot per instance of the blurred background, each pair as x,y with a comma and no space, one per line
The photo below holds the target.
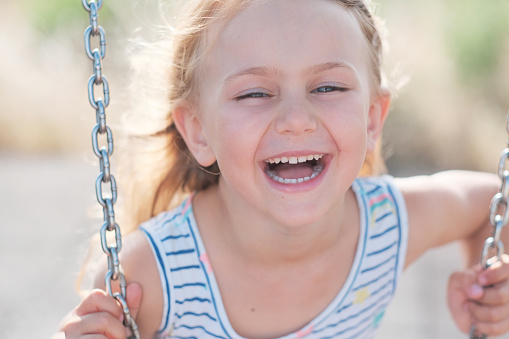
447,62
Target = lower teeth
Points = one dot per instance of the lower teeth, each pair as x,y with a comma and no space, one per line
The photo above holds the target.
316,171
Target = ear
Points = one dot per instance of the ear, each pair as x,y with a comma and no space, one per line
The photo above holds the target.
378,112
191,129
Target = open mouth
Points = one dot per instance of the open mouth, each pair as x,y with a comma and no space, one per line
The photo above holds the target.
294,170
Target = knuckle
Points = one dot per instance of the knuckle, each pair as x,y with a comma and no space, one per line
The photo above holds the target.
97,294
93,298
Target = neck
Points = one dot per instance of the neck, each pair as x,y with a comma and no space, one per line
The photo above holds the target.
260,239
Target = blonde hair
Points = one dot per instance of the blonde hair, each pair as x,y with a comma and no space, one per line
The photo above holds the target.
158,170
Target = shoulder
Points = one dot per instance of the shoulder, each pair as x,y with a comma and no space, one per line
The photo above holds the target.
140,266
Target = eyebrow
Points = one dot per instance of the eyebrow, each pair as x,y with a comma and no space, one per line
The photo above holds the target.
328,66
258,71
273,72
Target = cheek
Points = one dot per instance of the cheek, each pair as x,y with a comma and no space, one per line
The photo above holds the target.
347,123
238,138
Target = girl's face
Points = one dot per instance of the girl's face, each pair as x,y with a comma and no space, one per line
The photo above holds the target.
285,107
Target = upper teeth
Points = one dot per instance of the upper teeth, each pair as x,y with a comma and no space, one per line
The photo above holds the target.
294,160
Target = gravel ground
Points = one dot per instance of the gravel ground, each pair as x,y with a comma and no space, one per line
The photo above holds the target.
44,202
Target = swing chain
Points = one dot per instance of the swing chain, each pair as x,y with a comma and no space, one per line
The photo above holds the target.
110,229
499,216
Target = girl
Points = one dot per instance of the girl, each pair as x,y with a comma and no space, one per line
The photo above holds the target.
276,107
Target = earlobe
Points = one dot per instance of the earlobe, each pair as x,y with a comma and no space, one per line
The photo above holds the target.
191,129
378,112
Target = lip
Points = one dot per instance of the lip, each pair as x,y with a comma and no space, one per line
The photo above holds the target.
300,186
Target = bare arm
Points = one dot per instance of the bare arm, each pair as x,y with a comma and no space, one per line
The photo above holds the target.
449,206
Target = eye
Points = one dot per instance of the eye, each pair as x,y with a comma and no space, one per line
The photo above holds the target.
252,95
329,89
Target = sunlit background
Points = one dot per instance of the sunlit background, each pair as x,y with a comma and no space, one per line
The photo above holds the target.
447,63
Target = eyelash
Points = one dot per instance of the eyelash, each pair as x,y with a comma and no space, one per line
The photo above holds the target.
253,95
328,89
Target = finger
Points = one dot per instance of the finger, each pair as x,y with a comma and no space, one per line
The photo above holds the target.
496,273
493,328
99,301
103,324
462,280
465,282
495,295
134,295
488,314
457,298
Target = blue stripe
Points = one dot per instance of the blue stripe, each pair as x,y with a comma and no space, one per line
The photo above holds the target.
174,237
396,206
181,268
375,280
383,216
383,249
202,300
353,316
368,324
380,264
167,285
190,285
200,328
356,315
384,232
195,315
168,221
344,308
374,190
351,328
187,251
384,286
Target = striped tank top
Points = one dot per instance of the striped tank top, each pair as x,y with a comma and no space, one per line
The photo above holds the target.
192,303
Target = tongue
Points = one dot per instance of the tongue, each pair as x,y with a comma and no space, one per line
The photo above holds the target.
287,171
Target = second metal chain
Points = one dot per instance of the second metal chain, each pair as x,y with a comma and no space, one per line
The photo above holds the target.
499,216
110,229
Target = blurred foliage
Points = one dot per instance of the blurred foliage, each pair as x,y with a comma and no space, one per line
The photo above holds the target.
474,32
51,16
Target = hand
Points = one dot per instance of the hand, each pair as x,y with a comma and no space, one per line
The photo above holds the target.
481,297
100,314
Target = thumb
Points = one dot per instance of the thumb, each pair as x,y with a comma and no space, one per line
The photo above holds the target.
462,288
466,282
134,295
133,300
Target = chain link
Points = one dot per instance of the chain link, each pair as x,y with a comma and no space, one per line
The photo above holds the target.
103,151
499,216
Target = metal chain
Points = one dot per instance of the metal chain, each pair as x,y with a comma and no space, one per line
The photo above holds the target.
499,216
102,135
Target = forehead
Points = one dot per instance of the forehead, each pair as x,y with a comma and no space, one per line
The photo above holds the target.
287,34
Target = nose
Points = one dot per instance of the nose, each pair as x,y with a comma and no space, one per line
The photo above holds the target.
296,117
